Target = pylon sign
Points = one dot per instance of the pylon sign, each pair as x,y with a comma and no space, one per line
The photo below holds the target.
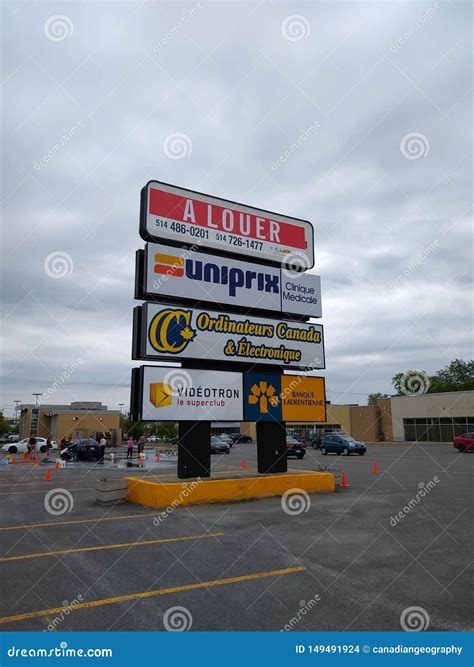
228,295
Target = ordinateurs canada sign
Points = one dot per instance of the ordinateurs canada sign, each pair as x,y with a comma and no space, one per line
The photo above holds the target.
174,333
196,276
177,216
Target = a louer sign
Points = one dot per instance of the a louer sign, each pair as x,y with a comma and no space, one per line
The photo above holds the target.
200,277
174,333
178,216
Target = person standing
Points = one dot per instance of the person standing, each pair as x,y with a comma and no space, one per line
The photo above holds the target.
130,443
141,444
32,447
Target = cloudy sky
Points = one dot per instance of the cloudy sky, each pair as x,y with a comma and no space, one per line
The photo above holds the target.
355,116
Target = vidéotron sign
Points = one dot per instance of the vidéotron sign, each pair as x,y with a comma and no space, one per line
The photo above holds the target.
197,276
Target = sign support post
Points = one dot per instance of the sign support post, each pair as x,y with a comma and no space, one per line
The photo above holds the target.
271,447
194,449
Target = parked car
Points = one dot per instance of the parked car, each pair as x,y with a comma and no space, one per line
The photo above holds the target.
22,446
241,439
13,437
226,438
315,440
86,448
464,443
342,444
218,446
294,447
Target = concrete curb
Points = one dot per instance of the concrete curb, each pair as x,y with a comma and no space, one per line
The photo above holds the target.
163,494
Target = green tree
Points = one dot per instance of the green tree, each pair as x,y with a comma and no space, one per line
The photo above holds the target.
4,426
373,398
166,430
456,376
131,429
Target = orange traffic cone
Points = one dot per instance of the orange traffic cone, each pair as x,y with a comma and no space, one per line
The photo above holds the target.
47,477
157,457
56,465
36,461
376,469
13,460
344,483
243,465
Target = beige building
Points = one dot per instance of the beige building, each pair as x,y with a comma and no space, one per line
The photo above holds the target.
432,417
79,419
420,418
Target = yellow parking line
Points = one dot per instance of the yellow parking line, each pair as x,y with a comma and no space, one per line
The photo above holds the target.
25,493
74,521
103,547
150,594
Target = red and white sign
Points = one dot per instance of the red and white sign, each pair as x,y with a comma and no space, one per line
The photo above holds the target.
175,215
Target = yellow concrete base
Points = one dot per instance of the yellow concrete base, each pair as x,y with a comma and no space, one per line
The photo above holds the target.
176,494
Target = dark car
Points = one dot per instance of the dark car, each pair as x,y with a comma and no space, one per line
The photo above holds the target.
342,444
86,449
241,439
464,443
294,447
315,440
218,446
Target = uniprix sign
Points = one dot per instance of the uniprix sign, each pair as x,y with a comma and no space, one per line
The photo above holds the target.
179,216
173,333
199,277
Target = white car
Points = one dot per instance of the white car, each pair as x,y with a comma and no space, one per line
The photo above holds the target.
22,446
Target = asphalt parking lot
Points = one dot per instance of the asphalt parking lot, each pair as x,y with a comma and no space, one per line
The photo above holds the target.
346,561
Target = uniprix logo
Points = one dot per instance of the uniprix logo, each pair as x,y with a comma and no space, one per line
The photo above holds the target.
209,272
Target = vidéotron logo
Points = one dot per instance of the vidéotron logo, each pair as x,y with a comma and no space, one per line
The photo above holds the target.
161,394
170,331
263,394
209,272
